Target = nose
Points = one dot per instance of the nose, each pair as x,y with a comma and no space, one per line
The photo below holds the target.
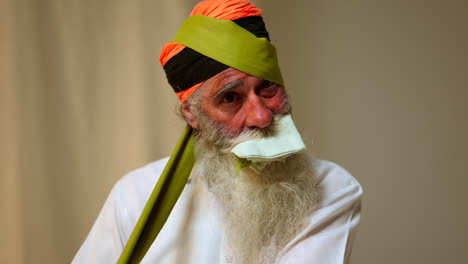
258,115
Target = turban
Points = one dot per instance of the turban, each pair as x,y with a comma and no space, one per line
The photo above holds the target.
217,35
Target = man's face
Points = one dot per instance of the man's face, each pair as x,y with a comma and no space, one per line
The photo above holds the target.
237,101
264,210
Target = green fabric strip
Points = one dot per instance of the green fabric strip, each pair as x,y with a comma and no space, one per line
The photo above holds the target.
232,45
163,198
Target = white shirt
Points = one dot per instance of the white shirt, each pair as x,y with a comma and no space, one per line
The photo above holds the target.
328,237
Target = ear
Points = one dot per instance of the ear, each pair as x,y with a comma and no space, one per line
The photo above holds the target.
189,114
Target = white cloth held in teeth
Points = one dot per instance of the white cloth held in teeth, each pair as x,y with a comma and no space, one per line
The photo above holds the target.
285,142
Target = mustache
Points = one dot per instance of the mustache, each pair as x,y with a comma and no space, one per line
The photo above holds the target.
218,137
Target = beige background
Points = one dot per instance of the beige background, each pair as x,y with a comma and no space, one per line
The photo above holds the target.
380,87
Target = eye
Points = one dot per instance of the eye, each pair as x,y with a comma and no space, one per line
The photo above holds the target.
267,89
265,84
230,98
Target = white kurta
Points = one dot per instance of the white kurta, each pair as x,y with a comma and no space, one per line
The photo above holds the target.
327,239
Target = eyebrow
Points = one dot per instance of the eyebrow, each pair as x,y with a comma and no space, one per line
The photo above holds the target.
228,86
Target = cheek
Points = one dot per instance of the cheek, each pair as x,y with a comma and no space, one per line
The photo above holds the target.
229,120
278,102
233,122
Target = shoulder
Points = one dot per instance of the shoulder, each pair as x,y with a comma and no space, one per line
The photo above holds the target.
119,214
132,191
332,178
339,191
139,181
331,227
142,178
146,173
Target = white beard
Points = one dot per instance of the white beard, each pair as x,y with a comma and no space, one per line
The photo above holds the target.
261,212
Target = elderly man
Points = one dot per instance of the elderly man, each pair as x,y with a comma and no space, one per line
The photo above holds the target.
253,196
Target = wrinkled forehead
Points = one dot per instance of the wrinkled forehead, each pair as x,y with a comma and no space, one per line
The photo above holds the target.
225,79
228,76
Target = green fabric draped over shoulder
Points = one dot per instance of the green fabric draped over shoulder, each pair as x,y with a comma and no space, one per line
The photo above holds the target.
163,198
232,45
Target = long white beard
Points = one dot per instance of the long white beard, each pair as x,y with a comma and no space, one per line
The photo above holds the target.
261,212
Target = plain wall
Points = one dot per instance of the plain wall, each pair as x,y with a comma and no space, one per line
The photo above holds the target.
377,86
380,87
